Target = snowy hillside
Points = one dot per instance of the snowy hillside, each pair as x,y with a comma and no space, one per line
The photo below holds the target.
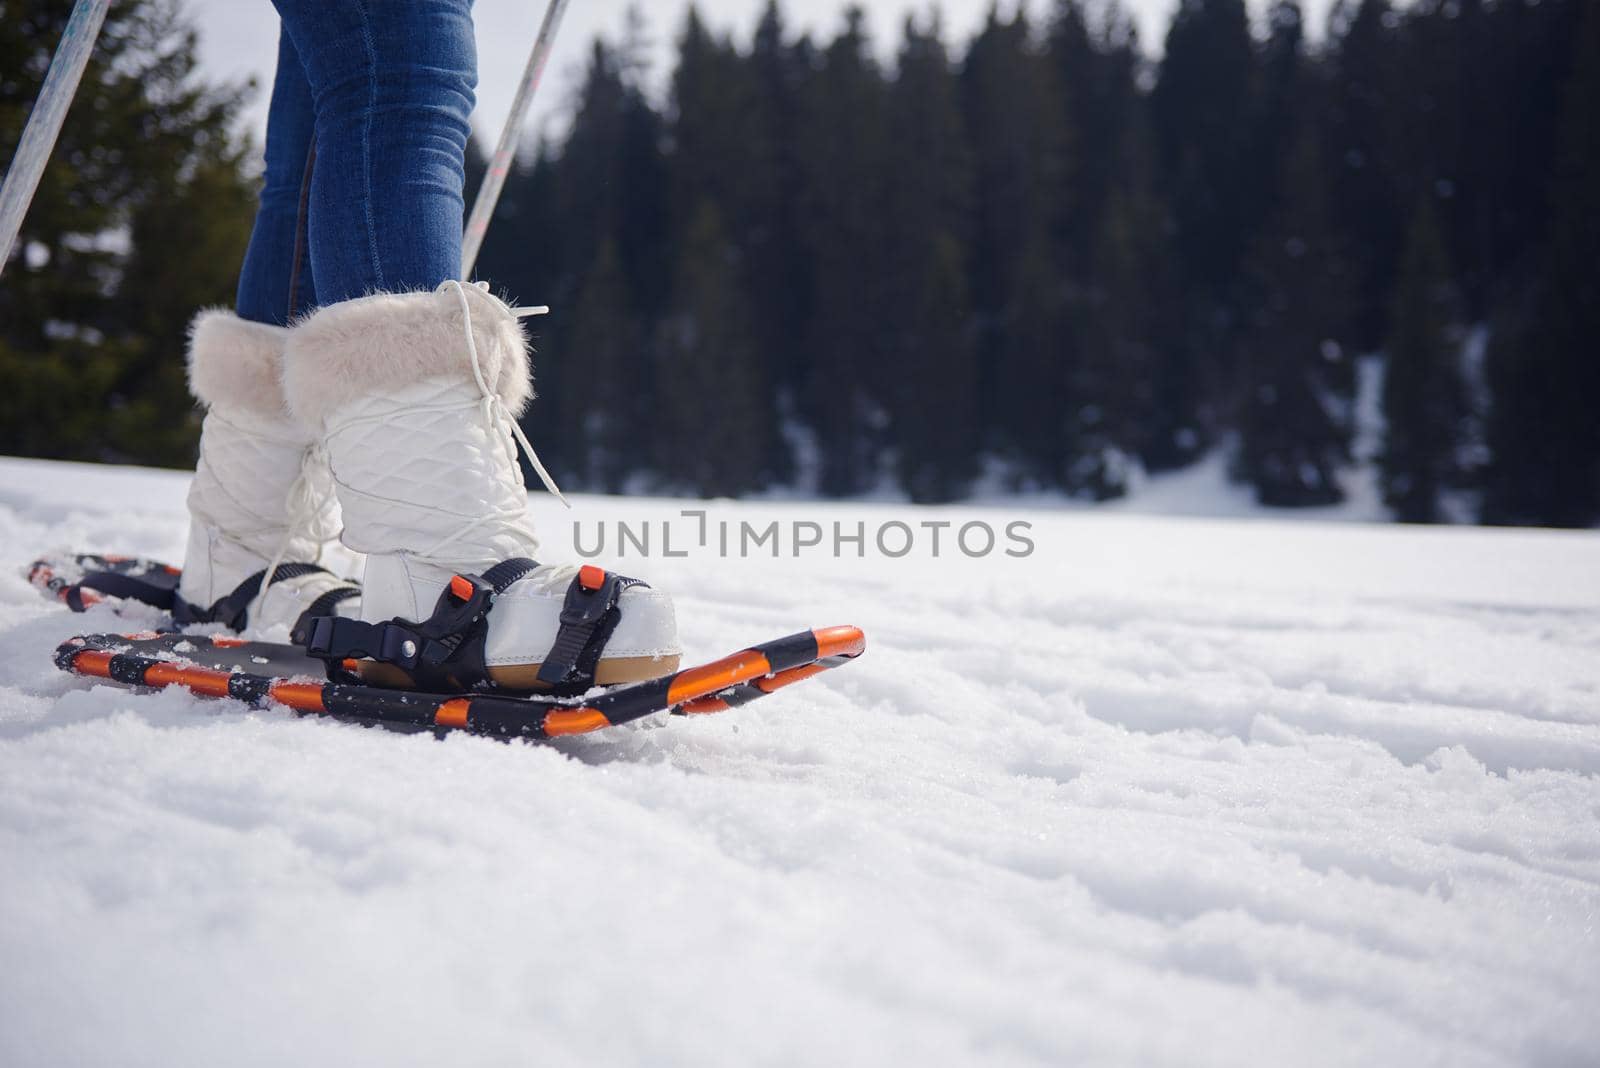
1165,791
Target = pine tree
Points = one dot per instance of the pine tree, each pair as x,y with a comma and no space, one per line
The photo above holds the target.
1283,102
1200,104
1364,130
612,179
1094,73
1545,430
1295,382
600,424
1534,51
717,142
609,186
1295,425
933,380
1115,258
1436,139
208,216
778,270
714,402
1126,314
1018,283
1200,108
91,330
1422,401
842,133
713,124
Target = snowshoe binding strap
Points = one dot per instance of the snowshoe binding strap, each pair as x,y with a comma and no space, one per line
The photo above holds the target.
446,650
233,609
588,616
322,606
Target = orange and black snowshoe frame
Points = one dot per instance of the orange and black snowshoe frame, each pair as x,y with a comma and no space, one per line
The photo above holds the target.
221,667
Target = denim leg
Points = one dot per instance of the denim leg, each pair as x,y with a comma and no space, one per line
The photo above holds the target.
392,86
275,283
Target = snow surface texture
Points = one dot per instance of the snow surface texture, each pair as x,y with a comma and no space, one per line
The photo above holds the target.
1167,792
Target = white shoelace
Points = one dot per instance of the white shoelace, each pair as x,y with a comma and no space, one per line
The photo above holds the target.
303,504
497,415
494,409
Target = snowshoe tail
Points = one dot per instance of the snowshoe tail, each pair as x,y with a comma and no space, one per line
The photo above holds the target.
81,580
262,674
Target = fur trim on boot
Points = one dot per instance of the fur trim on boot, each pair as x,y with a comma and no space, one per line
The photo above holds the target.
235,363
395,339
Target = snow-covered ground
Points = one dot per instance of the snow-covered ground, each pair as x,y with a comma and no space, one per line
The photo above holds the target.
1165,791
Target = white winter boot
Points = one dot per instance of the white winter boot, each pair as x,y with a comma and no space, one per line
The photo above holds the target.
261,494
415,396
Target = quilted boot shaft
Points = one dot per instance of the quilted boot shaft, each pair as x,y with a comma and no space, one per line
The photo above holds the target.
254,458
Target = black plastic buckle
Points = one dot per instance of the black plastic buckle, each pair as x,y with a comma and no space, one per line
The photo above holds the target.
319,637
338,638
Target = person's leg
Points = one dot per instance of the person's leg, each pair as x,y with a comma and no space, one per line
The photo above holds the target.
392,90
276,282
413,380
244,508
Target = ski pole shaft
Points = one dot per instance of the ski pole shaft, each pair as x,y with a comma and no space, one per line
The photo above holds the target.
44,124
495,178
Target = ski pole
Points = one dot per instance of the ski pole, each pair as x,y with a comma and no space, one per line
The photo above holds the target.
44,124
494,179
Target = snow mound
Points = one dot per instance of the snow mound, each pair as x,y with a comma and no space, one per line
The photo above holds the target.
1167,792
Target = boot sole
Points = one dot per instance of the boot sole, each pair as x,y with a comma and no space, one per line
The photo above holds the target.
617,671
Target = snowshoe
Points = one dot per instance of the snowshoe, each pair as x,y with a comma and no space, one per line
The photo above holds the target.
263,674
82,580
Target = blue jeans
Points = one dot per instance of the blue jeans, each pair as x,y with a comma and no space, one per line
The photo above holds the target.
366,141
